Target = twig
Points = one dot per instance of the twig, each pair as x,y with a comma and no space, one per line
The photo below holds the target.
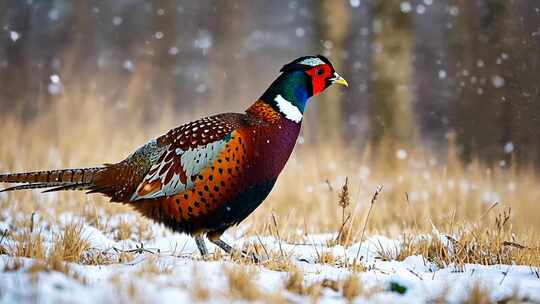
416,274
489,209
32,222
373,199
277,233
329,186
139,249
340,233
410,209
515,245
505,274
4,235
263,246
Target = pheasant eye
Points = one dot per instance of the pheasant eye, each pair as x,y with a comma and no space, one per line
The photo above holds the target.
320,71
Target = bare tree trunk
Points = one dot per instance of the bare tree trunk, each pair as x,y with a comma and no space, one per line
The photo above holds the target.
492,116
333,25
227,74
158,62
16,68
392,75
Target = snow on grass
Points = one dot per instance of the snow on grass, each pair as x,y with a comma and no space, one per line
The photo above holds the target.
170,270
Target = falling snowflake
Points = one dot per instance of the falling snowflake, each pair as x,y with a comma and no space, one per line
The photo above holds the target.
354,3
497,81
509,147
401,154
173,51
117,20
405,7
14,36
128,65
442,74
55,79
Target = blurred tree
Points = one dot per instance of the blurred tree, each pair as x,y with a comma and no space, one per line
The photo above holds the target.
433,85
16,69
228,74
333,25
493,116
392,75
527,89
157,59
355,100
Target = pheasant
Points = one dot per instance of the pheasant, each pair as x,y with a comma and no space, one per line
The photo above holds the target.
208,175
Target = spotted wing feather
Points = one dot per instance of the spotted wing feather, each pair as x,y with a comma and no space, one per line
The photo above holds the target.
188,150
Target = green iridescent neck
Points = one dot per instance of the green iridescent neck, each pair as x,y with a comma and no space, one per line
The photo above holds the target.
292,86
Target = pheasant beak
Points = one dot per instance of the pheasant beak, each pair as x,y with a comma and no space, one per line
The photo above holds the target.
339,80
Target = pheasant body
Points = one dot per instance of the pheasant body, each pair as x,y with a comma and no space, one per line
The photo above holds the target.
210,174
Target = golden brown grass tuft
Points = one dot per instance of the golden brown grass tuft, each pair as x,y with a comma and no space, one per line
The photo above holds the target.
143,230
199,290
295,282
241,283
481,243
57,264
3,238
345,232
478,295
325,256
351,287
123,230
96,257
70,245
13,264
153,266
29,245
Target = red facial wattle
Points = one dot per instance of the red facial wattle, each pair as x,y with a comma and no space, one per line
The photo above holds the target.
319,76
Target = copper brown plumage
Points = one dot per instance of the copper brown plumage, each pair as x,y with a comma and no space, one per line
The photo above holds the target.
207,175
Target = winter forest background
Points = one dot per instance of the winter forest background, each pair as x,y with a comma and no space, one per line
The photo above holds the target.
462,74
417,184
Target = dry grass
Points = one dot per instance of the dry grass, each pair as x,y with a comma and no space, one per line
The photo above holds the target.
153,266
241,283
482,243
3,238
13,264
295,282
96,257
421,191
418,189
70,245
351,287
55,263
478,295
29,243
326,257
199,291
123,231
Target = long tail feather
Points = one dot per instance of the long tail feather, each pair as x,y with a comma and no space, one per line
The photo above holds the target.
69,187
27,186
67,179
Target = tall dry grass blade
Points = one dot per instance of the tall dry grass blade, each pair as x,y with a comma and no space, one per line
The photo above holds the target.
373,200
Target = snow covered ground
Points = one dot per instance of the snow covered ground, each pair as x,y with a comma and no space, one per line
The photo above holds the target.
181,271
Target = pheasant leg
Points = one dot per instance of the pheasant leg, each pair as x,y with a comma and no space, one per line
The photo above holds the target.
201,245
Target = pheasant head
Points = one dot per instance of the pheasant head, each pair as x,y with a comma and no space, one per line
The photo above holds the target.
299,80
